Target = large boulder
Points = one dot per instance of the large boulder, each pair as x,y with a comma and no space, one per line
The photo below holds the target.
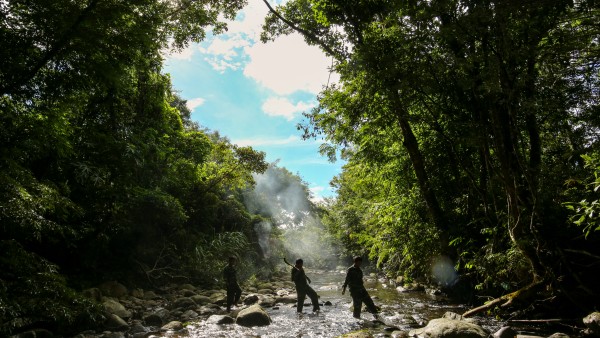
111,306
253,315
449,328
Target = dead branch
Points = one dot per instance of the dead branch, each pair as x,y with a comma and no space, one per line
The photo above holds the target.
508,299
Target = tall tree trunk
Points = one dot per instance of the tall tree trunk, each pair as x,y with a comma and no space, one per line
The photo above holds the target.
411,145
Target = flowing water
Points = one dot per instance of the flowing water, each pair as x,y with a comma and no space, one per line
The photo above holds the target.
401,310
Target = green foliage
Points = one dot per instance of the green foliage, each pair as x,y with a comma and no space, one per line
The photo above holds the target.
585,212
212,253
460,121
32,292
102,172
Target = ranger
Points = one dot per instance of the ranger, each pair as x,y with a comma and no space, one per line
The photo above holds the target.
302,288
354,279
234,292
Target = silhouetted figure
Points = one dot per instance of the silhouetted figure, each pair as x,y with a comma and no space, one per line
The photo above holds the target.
234,292
354,279
302,288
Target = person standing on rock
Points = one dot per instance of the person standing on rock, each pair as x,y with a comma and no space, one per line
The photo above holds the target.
234,292
354,279
302,288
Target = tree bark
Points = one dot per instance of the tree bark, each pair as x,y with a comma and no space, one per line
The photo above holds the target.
411,145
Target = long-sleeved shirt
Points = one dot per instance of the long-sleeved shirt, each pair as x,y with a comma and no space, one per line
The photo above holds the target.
354,279
230,275
299,277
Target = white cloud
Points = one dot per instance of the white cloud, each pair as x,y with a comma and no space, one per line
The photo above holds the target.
317,194
225,52
193,103
260,141
283,107
288,65
285,66
250,20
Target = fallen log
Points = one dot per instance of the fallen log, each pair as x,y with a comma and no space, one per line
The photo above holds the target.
505,301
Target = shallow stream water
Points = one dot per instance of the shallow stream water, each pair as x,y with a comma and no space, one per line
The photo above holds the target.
402,310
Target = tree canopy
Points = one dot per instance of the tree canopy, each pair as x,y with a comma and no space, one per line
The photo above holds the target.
465,125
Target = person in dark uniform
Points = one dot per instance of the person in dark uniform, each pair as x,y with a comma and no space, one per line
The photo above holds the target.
234,292
354,279
302,288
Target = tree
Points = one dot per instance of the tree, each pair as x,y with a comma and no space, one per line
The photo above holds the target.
482,95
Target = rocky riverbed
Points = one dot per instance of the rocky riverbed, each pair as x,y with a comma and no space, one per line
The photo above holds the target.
268,310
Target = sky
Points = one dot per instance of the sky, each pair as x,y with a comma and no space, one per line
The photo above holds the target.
254,94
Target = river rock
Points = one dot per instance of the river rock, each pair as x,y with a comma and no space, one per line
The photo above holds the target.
282,293
187,287
137,327
157,318
113,335
189,314
250,299
445,328
201,299
137,293
113,289
357,334
402,319
183,303
505,332
151,295
220,320
592,321
266,300
399,334
187,293
253,316
112,306
115,323
172,326
291,299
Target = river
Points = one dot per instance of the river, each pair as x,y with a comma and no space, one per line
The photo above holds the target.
405,310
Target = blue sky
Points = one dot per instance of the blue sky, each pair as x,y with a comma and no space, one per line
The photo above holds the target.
255,93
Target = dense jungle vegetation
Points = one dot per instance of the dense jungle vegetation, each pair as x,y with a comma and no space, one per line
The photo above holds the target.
470,130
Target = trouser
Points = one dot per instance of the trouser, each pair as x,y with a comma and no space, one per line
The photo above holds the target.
359,297
234,293
302,293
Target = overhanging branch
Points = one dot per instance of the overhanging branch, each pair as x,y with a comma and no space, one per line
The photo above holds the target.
309,35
